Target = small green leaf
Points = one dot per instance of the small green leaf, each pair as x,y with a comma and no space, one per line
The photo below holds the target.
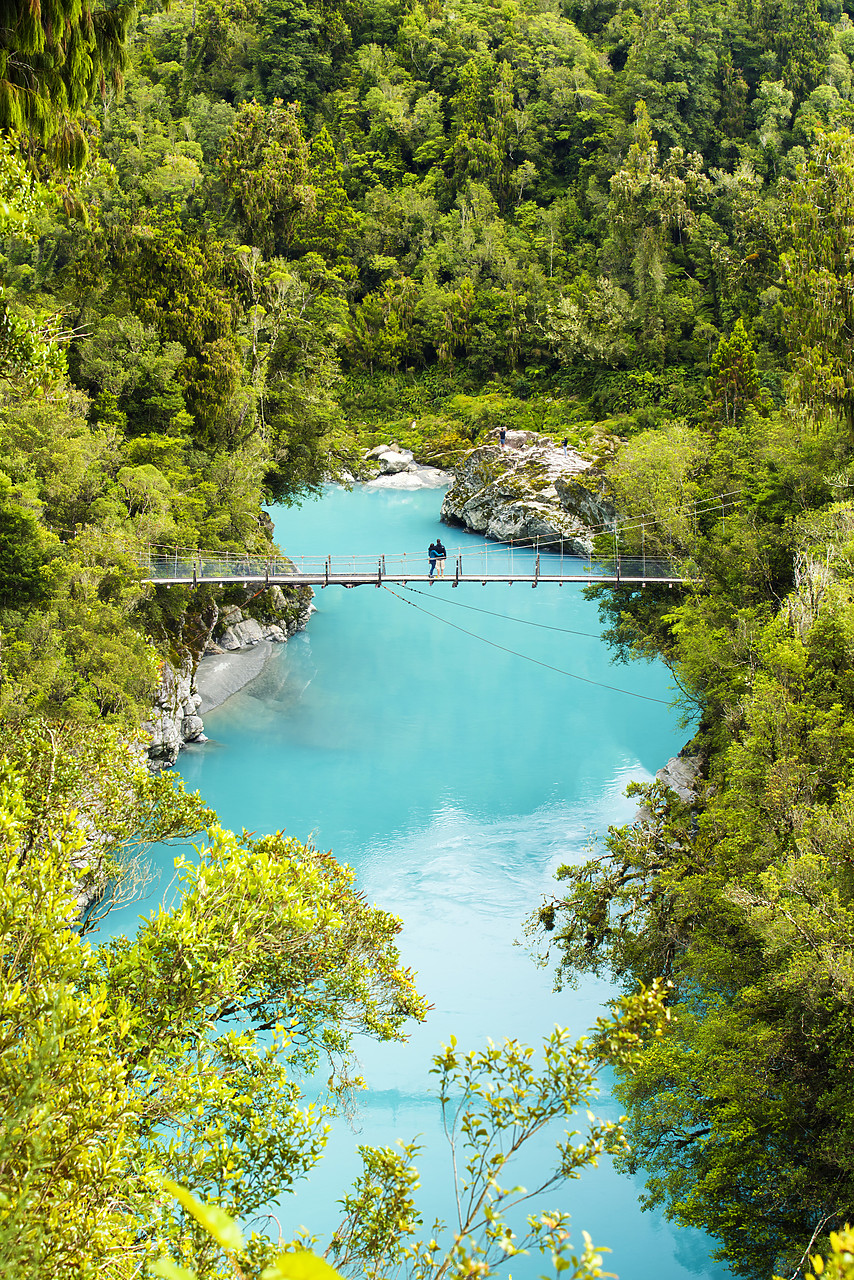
302,1264
215,1221
169,1270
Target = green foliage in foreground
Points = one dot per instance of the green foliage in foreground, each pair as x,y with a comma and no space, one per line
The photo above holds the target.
839,1263
622,222
493,1103
744,900
178,1053
177,1050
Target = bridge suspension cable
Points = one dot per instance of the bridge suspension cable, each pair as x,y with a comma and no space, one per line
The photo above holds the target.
630,693
506,617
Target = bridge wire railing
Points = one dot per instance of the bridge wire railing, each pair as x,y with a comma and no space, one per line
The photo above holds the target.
510,558
489,563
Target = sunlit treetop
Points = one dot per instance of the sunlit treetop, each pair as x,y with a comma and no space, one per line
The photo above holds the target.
55,57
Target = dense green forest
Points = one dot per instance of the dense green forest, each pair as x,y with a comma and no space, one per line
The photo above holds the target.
239,242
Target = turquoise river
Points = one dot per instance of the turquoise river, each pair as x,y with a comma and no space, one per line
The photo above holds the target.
455,776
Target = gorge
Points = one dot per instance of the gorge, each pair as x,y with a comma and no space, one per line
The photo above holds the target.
454,777
244,246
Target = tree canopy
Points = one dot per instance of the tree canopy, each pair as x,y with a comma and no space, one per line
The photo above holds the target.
54,58
311,228
178,1055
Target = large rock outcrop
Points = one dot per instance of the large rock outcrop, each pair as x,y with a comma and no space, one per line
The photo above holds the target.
682,775
173,719
528,491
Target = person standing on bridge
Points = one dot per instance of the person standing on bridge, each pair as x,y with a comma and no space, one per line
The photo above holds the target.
433,556
441,557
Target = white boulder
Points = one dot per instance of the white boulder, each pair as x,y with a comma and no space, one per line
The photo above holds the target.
241,634
192,728
680,774
393,461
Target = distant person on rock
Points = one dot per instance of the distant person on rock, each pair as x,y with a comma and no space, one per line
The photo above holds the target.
441,556
502,436
564,444
433,556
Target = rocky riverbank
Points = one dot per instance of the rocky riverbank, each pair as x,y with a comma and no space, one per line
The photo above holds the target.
529,490
396,468
524,491
231,649
226,646
682,775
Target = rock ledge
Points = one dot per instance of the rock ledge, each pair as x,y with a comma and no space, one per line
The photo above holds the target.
199,684
529,491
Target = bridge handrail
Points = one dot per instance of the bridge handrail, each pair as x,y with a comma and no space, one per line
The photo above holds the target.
489,560
164,554
252,564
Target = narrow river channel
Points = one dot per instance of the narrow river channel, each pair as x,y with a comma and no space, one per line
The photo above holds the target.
455,777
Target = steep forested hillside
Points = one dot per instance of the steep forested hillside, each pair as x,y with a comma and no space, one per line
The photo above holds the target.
298,224
239,240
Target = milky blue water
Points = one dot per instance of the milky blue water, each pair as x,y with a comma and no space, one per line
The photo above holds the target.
455,776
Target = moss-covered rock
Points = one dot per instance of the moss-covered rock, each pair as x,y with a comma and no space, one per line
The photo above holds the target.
529,491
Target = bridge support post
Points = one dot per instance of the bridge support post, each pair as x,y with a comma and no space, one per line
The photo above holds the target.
536,570
459,570
326,573
379,572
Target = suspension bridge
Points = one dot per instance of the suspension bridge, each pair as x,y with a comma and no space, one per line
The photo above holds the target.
543,560
533,564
